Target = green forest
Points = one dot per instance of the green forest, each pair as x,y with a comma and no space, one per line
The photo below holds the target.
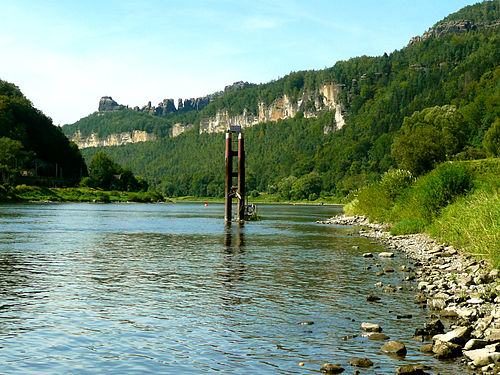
30,144
437,99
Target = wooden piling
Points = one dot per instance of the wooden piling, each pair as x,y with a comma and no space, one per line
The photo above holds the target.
229,180
241,178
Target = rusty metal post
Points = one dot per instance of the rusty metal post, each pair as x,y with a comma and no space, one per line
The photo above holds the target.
229,179
241,178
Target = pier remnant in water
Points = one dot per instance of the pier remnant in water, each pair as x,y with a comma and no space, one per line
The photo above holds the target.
237,191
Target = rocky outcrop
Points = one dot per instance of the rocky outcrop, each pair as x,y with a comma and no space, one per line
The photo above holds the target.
93,140
107,104
451,27
178,129
326,98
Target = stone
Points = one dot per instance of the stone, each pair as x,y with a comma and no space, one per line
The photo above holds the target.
386,255
410,370
448,314
482,357
347,337
367,255
427,348
370,327
458,336
436,303
474,344
420,298
388,289
372,298
380,273
475,301
404,316
361,362
377,336
445,350
330,368
434,327
394,347
355,247
388,270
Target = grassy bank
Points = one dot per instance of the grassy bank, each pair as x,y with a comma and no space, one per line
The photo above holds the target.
457,203
80,194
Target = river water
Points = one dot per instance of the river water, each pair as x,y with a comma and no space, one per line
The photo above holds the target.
168,288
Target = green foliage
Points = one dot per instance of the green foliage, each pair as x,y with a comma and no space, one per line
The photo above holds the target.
107,174
37,193
20,121
306,187
12,158
126,120
429,137
491,140
472,223
407,226
440,188
393,182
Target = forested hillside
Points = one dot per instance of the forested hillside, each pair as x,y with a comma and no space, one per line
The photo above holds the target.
30,143
398,106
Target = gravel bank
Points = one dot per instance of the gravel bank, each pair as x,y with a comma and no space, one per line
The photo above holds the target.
453,286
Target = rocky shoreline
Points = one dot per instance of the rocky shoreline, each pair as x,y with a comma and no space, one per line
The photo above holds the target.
455,288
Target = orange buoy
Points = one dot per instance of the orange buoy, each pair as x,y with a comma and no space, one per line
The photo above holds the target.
206,204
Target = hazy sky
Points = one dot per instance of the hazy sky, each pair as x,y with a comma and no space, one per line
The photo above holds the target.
65,54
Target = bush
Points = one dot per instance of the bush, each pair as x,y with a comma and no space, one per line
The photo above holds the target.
395,181
441,187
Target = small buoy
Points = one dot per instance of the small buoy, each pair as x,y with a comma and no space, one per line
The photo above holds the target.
301,364
206,204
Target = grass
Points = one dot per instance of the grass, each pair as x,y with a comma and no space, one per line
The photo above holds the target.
80,194
457,203
472,223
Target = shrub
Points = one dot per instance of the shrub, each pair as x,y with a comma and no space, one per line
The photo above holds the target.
395,181
441,187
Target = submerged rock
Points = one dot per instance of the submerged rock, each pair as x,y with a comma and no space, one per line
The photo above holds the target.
394,347
361,362
330,368
411,370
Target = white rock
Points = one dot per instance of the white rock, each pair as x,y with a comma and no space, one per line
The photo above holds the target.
482,357
386,255
370,327
475,301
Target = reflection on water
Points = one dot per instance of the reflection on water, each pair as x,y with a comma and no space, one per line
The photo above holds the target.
88,288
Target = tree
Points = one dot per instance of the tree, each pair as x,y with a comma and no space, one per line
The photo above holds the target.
428,137
13,157
491,140
103,170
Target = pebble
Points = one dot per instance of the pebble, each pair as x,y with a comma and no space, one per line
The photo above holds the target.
454,286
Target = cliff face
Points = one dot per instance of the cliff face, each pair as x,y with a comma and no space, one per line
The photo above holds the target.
326,98
282,108
112,140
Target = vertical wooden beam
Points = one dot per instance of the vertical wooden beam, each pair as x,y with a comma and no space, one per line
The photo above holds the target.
241,177
229,179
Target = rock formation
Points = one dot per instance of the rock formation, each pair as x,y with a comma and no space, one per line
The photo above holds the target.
108,104
326,98
93,140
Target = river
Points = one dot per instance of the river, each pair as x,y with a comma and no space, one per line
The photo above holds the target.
168,288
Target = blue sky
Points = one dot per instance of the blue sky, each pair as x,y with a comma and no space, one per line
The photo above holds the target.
65,54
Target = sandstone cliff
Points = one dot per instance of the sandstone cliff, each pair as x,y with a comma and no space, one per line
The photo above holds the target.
112,140
282,108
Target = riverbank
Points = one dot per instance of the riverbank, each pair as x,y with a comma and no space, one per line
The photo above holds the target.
458,290
25,193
